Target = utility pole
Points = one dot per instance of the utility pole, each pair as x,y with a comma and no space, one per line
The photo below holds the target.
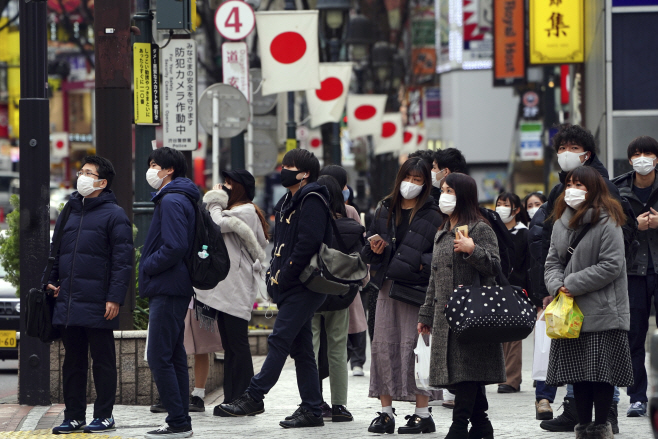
291,125
144,135
34,365
113,104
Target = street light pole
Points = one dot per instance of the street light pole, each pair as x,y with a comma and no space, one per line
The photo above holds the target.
34,365
291,125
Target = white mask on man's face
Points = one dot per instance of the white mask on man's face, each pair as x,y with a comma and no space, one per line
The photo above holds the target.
153,179
643,165
86,185
569,161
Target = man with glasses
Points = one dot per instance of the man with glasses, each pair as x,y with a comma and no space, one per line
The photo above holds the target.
91,274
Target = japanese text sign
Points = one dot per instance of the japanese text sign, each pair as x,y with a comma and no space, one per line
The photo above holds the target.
147,87
556,31
235,66
179,96
509,42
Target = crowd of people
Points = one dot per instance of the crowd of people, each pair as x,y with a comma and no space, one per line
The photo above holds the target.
591,239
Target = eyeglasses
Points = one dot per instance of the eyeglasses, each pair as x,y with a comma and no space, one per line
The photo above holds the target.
86,173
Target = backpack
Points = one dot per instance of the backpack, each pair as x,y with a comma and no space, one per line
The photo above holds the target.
206,272
505,243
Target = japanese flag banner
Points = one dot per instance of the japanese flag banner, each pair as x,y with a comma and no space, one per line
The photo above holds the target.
288,50
421,139
409,139
364,114
391,136
326,104
312,141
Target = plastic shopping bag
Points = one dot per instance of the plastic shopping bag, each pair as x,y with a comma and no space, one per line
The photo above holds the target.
542,349
563,318
422,363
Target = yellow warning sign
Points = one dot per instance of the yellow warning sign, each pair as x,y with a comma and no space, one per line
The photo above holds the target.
291,144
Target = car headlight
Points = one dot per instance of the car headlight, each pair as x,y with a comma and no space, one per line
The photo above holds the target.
17,307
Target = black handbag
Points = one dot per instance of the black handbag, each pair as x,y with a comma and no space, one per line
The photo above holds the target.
408,293
490,314
40,301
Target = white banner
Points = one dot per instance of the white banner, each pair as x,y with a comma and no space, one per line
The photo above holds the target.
409,139
421,139
364,114
327,103
179,97
288,50
311,139
390,138
235,66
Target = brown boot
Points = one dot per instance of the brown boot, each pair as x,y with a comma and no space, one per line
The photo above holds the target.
543,410
599,431
581,431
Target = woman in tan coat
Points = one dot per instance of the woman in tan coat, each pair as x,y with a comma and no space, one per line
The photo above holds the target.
457,259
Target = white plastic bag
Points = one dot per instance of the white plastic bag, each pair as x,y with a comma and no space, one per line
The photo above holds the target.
542,350
422,363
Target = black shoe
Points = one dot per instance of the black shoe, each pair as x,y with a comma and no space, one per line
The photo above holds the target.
340,414
294,414
170,432
326,412
197,405
158,408
612,418
566,421
244,405
304,418
417,425
506,388
481,431
383,423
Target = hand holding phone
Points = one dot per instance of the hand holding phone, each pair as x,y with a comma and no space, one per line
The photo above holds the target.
377,244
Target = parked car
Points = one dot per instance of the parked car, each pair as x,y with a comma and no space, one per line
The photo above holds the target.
58,196
10,308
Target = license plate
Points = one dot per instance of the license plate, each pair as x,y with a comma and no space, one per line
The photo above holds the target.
7,339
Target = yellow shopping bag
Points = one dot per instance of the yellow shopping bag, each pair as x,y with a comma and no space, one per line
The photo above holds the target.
563,318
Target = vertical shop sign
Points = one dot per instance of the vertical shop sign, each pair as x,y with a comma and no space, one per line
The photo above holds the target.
179,96
235,66
530,141
146,87
509,42
423,41
556,31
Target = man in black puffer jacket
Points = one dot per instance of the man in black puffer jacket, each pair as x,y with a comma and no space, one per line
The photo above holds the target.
301,228
91,274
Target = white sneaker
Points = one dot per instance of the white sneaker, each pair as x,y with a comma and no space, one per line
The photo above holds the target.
357,371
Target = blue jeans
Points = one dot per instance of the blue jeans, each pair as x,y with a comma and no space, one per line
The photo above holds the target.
167,358
548,392
292,335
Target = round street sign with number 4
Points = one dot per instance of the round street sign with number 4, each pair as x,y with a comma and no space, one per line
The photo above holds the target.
235,20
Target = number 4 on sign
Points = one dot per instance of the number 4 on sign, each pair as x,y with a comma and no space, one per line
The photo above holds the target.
235,20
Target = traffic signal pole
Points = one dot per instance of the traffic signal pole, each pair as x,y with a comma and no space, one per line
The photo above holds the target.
34,363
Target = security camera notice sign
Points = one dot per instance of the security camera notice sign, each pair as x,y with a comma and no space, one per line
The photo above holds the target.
179,97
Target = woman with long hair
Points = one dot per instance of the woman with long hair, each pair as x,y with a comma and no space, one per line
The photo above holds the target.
400,250
245,233
595,277
532,202
458,259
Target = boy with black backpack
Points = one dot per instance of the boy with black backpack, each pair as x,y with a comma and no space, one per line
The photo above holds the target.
165,279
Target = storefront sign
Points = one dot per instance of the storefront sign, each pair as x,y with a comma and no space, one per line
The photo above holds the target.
147,87
556,31
530,141
509,42
179,97
235,66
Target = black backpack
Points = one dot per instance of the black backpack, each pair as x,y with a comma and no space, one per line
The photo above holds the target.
505,243
207,272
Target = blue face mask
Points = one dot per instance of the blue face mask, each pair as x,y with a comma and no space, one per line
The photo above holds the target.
346,194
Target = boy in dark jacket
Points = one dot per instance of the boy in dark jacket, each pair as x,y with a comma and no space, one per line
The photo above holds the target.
91,274
640,188
301,228
165,280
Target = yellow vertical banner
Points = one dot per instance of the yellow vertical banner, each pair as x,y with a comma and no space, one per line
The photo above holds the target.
143,92
13,45
556,31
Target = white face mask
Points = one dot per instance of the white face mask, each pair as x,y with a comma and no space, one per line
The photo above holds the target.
86,185
643,165
410,190
574,197
505,214
532,211
447,203
436,182
153,179
569,161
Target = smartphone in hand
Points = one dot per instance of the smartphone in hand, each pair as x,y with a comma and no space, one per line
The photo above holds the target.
374,238
463,230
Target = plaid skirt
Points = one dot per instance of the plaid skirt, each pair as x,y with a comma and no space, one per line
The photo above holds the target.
594,356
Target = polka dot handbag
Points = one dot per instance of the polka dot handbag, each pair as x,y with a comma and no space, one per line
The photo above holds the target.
490,314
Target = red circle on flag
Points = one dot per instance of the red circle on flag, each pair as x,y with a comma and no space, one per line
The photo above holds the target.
407,136
316,143
365,112
420,138
330,89
59,144
288,47
388,129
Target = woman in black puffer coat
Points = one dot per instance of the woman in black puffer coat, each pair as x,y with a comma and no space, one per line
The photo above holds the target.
406,221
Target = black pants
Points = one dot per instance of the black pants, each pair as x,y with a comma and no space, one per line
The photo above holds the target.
238,367
599,395
78,341
356,349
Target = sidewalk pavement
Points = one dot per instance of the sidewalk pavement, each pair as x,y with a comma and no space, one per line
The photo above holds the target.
513,415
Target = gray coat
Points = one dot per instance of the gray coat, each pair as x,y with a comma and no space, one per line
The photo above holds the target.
451,361
596,274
